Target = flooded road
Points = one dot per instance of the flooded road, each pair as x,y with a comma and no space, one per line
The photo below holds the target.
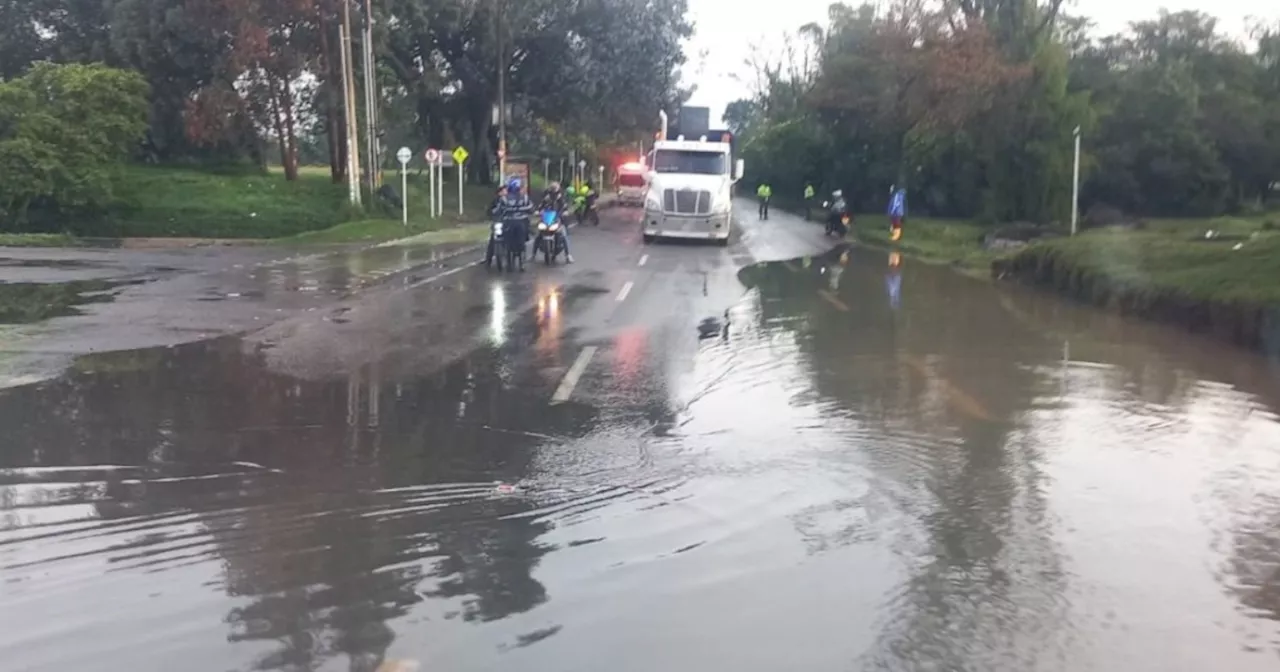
773,456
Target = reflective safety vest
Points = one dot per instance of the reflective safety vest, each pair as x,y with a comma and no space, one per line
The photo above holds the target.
808,191
764,191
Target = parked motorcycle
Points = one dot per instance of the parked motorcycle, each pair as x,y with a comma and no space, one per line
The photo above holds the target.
550,239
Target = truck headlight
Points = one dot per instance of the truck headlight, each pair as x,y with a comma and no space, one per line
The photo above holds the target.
651,202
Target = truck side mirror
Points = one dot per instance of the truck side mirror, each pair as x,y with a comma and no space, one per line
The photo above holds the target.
739,169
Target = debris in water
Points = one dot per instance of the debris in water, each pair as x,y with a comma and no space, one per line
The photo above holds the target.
505,489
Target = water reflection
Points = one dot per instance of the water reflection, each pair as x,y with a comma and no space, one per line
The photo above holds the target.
893,280
993,432
332,508
923,474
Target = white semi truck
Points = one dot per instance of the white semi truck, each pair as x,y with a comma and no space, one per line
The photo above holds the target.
690,181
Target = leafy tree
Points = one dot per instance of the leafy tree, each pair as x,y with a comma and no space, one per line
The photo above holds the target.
972,104
63,128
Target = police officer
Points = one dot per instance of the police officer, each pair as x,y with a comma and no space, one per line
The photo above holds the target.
764,192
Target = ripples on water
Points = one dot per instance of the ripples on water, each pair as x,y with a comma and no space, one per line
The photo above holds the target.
945,478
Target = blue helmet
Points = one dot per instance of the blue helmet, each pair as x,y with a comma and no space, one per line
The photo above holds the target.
513,185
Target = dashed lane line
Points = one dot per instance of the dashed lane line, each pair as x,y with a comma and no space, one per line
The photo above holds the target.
571,378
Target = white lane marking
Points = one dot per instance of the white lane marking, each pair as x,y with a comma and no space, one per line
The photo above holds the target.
445,274
644,259
570,381
626,289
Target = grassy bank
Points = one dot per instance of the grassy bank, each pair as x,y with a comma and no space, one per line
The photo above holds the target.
449,227
1175,261
168,202
1170,272
175,202
938,241
37,240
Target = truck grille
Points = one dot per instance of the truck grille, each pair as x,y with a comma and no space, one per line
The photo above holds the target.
686,202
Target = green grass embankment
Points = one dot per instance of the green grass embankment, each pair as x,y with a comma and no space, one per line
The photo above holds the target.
37,240
167,202
1169,271
938,241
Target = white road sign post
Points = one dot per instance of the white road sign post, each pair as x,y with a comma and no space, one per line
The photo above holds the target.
404,154
433,157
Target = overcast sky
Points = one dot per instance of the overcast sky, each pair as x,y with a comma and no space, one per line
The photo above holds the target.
725,29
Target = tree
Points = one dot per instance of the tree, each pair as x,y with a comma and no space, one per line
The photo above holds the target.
63,128
972,103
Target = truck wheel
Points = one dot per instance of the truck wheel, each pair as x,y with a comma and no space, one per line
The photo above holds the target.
723,242
648,239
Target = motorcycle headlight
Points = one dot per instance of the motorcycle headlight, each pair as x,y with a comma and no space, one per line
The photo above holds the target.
542,226
554,227
497,228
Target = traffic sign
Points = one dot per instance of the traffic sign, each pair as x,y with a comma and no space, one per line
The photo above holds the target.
404,154
460,154
433,155
582,163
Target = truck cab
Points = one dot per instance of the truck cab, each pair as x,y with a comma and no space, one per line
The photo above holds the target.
690,188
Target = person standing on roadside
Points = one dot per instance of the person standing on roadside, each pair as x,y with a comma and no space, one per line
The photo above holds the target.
897,211
808,201
764,192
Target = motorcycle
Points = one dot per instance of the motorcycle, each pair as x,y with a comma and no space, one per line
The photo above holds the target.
497,248
838,218
585,208
550,236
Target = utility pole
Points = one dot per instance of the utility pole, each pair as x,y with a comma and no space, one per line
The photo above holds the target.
1075,184
353,176
502,92
370,97
349,95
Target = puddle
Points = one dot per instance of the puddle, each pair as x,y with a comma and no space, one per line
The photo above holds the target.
28,302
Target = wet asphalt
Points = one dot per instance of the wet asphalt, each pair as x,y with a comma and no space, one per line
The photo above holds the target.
788,453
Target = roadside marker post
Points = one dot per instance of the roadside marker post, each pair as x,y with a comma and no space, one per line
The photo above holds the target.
460,155
433,158
404,154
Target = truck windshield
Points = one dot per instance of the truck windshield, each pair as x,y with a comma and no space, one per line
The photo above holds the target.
686,161
631,180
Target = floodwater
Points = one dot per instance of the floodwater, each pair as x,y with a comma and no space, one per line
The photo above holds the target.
861,466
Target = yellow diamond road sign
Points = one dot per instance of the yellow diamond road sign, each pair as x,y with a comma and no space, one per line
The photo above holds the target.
460,155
